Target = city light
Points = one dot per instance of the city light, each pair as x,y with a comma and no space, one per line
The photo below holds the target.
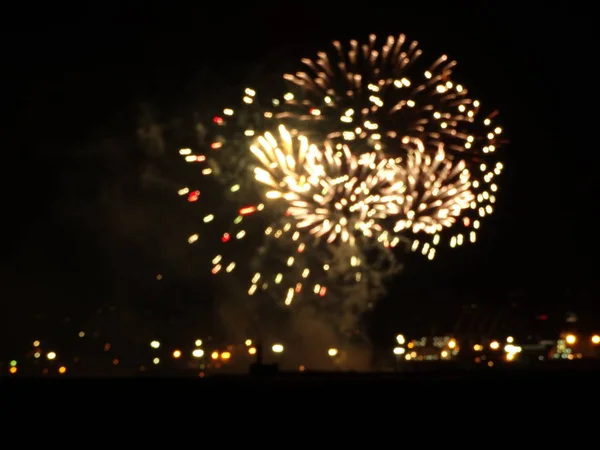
252,351
571,339
277,348
399,351
51,356
198,353
400,339
595,339
332,352
225,356
494,345
177,354
198,342
62,369
155,344
214,355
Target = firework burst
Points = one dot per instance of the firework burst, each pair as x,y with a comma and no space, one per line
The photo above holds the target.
443,198
292,205
330,193
376,93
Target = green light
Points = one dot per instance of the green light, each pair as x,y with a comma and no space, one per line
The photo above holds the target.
13,363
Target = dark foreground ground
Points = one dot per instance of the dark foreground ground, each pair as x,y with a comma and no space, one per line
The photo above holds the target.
523,394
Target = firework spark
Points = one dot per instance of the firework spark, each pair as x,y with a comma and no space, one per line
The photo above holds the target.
378,95
328,192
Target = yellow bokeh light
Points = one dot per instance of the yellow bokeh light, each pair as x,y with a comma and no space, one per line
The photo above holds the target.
332,352
494,345
277,348
13,370
225,356
214,355
571,339
252,351
62,369
595,339
176,354
51,356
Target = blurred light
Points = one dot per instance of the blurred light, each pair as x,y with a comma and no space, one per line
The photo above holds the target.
277,348
252,351
156,360
571,339
36,343
510,339
595,339
214,355
116,361
13,370
399,351
198,342
81,334
13,363
62,369
478,347
452,344
51,355
176,354
332,352
444,354
248,342
400,339
198,353
247,210
494,345
154,344
510,356
301,368
225,356
37,355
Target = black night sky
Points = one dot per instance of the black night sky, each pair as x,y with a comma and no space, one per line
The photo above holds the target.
80,229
